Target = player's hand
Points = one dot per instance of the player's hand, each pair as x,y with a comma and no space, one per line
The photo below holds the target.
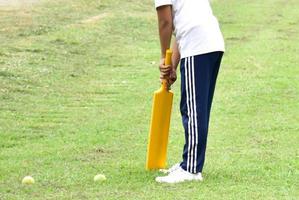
172,77
165,70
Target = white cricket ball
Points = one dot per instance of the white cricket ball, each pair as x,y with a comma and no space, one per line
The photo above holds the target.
99,178
28,180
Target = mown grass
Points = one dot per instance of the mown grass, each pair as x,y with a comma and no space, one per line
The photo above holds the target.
76,82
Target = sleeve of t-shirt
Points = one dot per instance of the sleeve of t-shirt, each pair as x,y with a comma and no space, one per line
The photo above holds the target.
159,3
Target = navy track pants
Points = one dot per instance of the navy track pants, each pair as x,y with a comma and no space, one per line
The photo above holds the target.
198,80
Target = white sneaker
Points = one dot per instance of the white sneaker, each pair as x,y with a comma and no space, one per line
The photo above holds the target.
171,169
179,175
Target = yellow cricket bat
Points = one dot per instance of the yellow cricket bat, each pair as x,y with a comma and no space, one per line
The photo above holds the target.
159,127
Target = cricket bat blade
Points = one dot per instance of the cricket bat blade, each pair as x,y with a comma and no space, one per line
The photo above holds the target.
160,122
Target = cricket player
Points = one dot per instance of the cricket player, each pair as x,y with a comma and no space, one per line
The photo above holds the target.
198,47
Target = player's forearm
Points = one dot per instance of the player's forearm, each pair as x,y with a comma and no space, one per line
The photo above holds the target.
165,32
165,27
175,55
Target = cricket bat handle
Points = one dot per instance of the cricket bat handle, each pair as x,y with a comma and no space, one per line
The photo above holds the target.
167,62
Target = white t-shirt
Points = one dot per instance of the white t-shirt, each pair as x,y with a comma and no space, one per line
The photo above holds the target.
195,27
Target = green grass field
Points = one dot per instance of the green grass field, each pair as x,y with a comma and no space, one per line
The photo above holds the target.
76,85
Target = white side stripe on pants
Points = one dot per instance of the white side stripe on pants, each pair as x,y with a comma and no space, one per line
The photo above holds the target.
191,107
195,117
188,113
192,114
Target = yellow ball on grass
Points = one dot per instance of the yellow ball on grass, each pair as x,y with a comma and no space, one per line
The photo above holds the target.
28,180
99,178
